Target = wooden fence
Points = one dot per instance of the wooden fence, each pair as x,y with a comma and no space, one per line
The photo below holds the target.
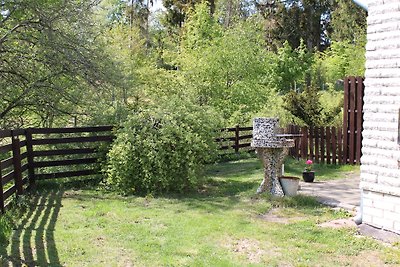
34,154
353,119
321,144
28,155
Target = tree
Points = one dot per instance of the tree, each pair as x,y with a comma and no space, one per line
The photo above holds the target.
48,59
291,68
226,69
348,23
307,107
177,10
296,20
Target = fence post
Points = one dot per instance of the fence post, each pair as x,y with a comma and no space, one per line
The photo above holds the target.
328,144
359,118
1,193
237,139
16,152
29,150
304,143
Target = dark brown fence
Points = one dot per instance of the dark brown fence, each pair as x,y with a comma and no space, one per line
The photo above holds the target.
353,119
236,138
13,165
34,154
321,144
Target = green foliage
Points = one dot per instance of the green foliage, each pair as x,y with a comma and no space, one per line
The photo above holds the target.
291,67
49,61
294,21
348,23
340,60
162,148
228,69
307,107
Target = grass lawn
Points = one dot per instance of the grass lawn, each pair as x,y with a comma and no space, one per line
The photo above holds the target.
223,224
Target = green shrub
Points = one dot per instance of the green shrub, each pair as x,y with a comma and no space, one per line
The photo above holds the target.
162,149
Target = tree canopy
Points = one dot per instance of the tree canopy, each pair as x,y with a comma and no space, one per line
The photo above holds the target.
82,62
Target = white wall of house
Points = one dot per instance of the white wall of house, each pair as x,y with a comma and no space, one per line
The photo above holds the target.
380,163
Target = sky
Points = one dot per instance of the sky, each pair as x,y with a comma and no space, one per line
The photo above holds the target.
157,5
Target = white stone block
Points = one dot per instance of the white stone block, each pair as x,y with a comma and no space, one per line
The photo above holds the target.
368,177
396,227
391,216
374,212
382,222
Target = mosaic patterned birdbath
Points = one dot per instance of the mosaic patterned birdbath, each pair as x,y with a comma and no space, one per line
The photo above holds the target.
271,148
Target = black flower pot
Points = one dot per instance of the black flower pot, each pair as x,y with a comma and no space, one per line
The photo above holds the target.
308,177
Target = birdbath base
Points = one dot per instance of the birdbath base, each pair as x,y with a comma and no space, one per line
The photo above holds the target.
272,159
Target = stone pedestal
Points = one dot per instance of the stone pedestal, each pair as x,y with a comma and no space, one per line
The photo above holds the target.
271,150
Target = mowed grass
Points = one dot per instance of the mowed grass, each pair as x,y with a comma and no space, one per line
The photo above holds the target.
224,223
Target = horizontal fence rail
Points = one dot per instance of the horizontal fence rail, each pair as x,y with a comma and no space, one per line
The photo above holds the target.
321,144
13,165
32,154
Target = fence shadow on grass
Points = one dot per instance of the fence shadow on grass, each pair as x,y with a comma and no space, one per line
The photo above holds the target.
32,242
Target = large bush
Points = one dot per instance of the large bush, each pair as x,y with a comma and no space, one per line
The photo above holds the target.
162,149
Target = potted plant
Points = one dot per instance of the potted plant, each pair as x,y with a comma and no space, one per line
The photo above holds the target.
308,173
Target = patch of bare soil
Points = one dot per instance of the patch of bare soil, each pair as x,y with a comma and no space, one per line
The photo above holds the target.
254,251
339,223
365,258
276,216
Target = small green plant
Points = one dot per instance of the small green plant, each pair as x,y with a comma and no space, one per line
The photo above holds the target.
162,149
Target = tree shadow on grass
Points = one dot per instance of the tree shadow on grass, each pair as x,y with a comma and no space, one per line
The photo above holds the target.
32,242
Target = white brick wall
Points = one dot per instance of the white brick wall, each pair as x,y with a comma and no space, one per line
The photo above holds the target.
380,172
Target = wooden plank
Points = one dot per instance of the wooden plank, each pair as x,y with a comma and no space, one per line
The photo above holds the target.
249,128
17,132
24,167
304,143
328,144
25,180
340,145
351,139
311,142
299,142
344,144
244,145
60,152
5,133
7,177
29,150
90,129
334,145
316,136
322,144
17,165
6,163
228,129
86,139
22,143
24,155
8,193
2,208
5,148
359,118
43,176
66,162
237,133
